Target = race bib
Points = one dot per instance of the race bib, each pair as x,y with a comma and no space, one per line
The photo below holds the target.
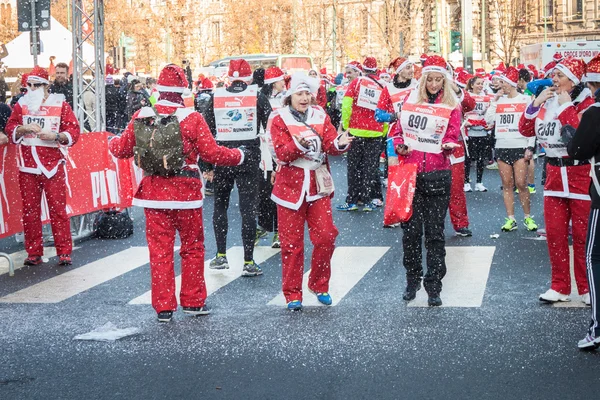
236,115
48,118
315,156
369,93
398,96
507,120
547,130
424,126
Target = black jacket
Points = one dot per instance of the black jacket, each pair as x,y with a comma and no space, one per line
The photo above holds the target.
5,112
66,89
135,101
114,101
585,143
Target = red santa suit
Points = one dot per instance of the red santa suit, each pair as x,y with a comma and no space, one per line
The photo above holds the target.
298,202
174,204
42,166
567,185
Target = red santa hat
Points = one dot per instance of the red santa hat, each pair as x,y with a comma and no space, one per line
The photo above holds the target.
239,70
573,68
510,76
533,70
323,72
521,66
435,63
301,82
205,84
423,57
593,70
500,69
273,74
480,72
548,68
38,75
370,64
24,80
462,78
355,65
172,79
399,64
558,57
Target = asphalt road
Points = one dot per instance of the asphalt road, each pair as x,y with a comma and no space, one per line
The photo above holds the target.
369,345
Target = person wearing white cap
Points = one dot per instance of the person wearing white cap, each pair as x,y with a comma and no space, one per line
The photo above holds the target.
584,145
302,137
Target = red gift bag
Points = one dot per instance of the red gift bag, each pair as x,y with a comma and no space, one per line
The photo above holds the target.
402,179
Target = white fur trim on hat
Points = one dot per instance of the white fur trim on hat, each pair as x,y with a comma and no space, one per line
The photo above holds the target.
505,79
434,68
568,73
240,78
354,67
273,80
172,89
592,77
403,65
301,82
37,79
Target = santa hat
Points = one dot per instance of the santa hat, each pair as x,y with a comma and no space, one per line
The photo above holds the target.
462,78
239,70
301,82
500,69
423,57
573,68
370,64
533,70
38,75
547,70
510,76
323,72
172,79
558,57
480,72
593,70
205,84
521,66
24,80
355,65
273,74
399,64
435,63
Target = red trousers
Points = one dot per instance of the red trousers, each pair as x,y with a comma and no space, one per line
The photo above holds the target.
458,199
558,212
322,234
161,228
32,186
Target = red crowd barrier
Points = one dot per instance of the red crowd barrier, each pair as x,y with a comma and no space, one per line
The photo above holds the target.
96,180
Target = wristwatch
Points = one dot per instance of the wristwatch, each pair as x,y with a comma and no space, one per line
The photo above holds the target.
57,137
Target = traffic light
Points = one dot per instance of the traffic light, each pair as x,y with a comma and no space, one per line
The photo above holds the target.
455,41
434,41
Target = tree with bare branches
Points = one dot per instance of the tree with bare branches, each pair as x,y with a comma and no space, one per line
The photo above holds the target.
508,18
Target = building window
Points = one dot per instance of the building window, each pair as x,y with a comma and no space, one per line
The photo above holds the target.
575,10
546,10
215,31
365,22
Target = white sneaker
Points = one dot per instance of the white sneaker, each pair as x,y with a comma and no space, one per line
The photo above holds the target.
552,296
586,299
468,187
589,341
480,188
385,182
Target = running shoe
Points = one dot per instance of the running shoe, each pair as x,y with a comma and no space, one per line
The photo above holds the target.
411,291
33,260
295,305
204,310
552,296
530,224
493,165
165,316
531,189
251,269
64,260
589,342
276,244
509,225
464,232
467,187
368,207
347,207
434,301
377,202
260,233
219,262
324,297
480,188
392,225
586,299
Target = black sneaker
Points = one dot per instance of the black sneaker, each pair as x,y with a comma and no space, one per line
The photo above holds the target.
411,292
165,316
434,301
204,310
251,269
219,262
464,232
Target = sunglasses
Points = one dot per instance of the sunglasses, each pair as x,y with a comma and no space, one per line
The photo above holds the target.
35,85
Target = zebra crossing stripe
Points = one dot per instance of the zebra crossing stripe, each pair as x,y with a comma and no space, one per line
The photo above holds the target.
465,282
20,256
216,279
64,286
348,266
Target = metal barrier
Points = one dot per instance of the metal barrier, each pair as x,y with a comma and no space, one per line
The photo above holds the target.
11,264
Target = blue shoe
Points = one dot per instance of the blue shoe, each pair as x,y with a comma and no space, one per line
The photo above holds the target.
295,305
324,298
347,207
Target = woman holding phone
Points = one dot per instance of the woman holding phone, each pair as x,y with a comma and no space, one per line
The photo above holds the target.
426,135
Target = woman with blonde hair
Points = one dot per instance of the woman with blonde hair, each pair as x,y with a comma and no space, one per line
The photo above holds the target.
426,136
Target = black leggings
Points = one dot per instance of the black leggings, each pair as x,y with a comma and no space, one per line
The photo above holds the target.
267,209
246,176
478,152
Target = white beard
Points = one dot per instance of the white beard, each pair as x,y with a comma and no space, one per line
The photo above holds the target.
34,99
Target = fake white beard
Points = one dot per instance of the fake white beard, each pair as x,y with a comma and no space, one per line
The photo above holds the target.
34,99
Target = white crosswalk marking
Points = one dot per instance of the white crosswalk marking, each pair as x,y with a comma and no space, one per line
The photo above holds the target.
20,256
70,283
216,279
576,301
464,284
348,266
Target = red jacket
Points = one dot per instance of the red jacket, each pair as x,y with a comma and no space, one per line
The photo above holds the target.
177,192
294,185
39,159
322,96
428,162
361,118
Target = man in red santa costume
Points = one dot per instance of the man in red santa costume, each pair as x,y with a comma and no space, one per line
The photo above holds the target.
43,125
394,93
566,200
302,137
174,203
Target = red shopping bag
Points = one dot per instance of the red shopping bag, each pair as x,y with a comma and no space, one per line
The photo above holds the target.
402,179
